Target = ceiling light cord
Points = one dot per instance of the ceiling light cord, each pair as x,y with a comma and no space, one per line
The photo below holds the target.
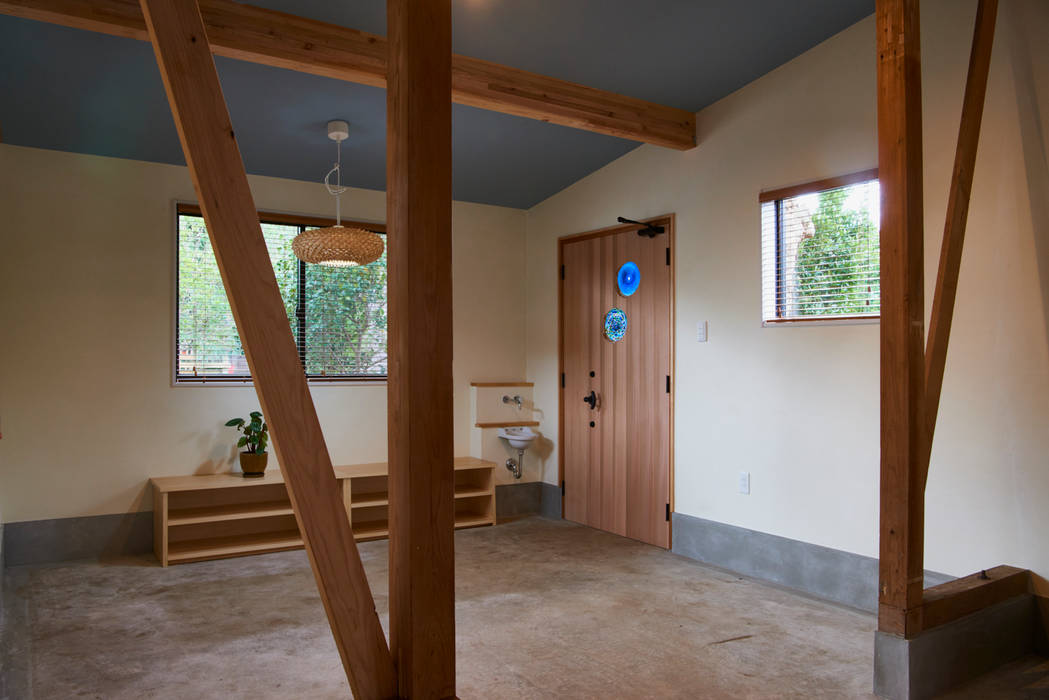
338,189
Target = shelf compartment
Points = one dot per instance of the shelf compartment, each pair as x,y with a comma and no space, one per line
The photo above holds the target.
368,491
250,493
242,527
461,523
478,480
381,498
475,510
371,530
232,511
467,492
233,546
369,500
370,522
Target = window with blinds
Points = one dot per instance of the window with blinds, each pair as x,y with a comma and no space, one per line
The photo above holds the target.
337,316
820,250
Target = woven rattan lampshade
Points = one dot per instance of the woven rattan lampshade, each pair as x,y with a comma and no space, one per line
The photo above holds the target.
338,246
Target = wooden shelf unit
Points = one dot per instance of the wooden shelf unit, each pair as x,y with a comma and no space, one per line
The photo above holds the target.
366,496
215,516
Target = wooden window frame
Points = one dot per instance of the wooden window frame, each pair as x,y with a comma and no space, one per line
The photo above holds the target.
776,197
267,217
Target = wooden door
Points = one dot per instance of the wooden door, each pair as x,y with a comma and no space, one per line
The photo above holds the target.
617,454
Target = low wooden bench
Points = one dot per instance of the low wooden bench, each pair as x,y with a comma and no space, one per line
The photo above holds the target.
215,516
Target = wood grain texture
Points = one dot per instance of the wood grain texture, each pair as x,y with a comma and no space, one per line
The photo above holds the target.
202,119
420,407
276,217
234,480
818,185
957,214
617,473
276,39
580,326
954,599
508,424
902,318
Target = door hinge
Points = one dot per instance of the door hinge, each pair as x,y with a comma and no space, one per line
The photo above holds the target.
562,488
668,383
668,512
562,380
668,257
562,272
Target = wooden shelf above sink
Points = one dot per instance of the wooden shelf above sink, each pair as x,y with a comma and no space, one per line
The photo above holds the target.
509,424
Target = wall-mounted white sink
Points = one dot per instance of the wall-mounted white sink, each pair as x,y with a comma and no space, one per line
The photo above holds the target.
519,437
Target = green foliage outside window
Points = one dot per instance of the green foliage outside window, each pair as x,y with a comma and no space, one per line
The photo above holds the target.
345,310
838,268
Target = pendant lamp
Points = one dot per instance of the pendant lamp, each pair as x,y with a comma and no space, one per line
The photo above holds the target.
337,246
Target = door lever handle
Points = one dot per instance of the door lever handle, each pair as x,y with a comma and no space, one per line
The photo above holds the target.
591,399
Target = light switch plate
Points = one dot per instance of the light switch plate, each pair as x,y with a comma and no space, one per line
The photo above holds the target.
744,483
701,332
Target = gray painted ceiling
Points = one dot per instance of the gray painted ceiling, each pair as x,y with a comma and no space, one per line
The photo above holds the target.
79,91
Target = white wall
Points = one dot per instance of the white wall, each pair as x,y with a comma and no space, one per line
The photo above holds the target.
87,409
798,406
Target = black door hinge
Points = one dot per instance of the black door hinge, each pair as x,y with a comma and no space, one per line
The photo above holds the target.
562,488
668,258
562,272
562,380
668,512
668,383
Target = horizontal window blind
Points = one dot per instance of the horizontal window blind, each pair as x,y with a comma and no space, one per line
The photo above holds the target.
346,320
820,254
337,316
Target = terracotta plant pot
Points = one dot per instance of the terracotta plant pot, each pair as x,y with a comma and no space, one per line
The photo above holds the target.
253,465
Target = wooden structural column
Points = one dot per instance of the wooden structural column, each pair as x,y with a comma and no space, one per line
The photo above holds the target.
903,434
192,84
419,224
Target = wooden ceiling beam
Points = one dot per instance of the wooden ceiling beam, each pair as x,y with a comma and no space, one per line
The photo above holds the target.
202,119
286,41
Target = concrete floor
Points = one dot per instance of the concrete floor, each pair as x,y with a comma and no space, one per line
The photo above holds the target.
545,609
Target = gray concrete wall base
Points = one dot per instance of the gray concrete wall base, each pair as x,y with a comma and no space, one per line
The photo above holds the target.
129,534
65,539
831,574
550,501
537,497
512,500
951,654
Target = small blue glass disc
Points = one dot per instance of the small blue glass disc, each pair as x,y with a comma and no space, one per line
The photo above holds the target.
629,278
615,324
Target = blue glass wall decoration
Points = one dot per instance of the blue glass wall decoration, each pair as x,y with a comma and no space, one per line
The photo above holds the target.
628,279
615,324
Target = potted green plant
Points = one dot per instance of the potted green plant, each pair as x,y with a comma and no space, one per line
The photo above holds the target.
256,434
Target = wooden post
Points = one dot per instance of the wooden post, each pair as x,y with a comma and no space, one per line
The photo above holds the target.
902,318
957,214
419,221
192,84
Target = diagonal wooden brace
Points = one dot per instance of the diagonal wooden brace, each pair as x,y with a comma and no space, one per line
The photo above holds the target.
957,215
192,84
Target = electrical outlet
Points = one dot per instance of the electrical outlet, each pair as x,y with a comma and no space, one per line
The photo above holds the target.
701,332
744,483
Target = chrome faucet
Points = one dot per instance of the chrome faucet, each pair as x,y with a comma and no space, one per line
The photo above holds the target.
515,400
